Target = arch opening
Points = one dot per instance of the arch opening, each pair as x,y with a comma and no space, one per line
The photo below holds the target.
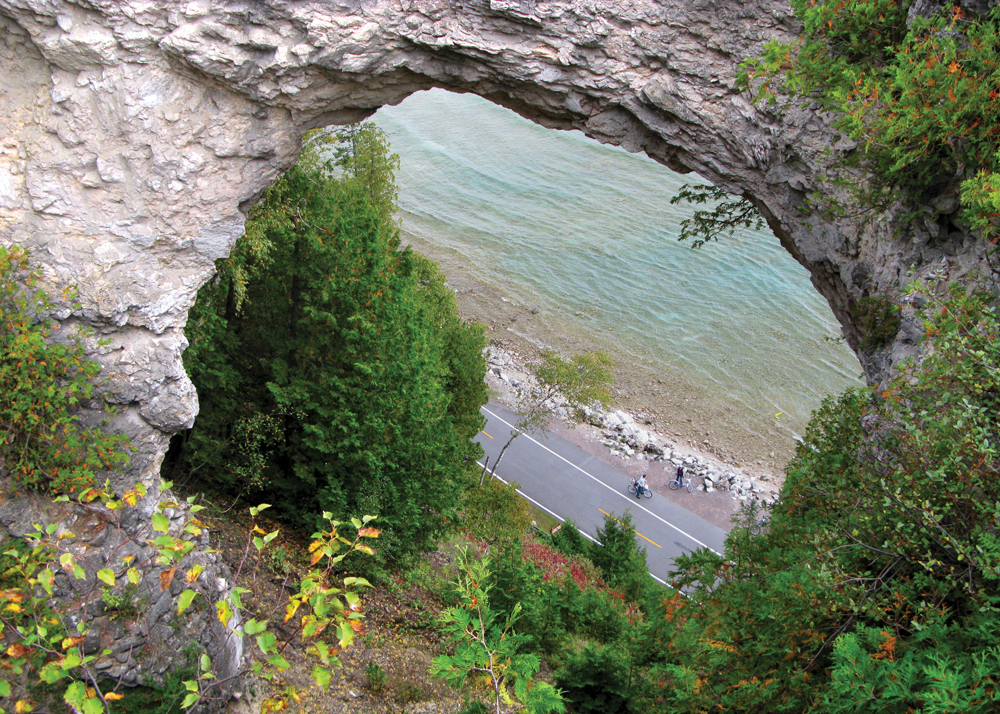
554,239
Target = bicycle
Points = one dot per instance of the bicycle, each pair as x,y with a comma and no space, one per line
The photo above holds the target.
757,527
682,482
635,485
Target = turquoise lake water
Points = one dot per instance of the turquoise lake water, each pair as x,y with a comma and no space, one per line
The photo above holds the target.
586,233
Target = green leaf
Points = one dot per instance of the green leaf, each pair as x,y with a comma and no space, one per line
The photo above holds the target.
266,641
160,523
49,674
253,627
106,576
71,660
321,676
348,582
279,662
190,700
184,601
345,634
93,705
46,578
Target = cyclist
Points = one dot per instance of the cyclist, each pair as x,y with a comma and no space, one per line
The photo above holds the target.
640,486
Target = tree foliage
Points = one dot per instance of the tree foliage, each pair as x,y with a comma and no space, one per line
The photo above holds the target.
579,382
487,645
43,632
727,215
343,379
918,86
44,383
875,587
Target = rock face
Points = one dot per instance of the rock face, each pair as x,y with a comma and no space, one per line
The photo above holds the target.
135,134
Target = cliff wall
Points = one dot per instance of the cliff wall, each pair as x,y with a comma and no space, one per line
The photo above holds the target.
135,135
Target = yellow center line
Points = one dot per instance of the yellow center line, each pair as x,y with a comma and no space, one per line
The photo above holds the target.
637,532
485,433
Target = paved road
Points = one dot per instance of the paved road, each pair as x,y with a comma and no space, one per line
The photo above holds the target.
569,483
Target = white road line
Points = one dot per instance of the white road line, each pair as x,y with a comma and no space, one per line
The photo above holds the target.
613,490
559,518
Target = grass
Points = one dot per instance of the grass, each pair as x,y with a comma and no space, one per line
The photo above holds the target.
545,521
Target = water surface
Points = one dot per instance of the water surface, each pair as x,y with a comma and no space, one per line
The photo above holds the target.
585,233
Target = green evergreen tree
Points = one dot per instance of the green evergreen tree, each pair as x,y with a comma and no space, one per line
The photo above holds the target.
336,381
917,84
620,558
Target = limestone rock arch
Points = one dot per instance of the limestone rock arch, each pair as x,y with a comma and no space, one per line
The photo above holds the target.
135,134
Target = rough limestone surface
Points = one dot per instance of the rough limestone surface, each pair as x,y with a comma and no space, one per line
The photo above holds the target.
135,134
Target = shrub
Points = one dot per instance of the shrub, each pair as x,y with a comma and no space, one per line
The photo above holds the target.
570,541
877,319
620,558
42,445
375,675
595,681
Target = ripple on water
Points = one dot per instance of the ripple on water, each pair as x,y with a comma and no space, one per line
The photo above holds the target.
586,233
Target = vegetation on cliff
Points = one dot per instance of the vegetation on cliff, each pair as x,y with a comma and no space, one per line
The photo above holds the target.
336,378
876,586
333,371
43,383
918,85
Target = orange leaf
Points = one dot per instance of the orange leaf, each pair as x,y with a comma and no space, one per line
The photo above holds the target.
165,577
113,696
72,642
954,67
369,532
316,557
17,650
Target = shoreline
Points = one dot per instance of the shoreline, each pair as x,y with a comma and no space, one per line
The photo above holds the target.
633,447
686,414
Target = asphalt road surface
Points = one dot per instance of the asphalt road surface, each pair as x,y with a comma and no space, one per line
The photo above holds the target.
570,484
